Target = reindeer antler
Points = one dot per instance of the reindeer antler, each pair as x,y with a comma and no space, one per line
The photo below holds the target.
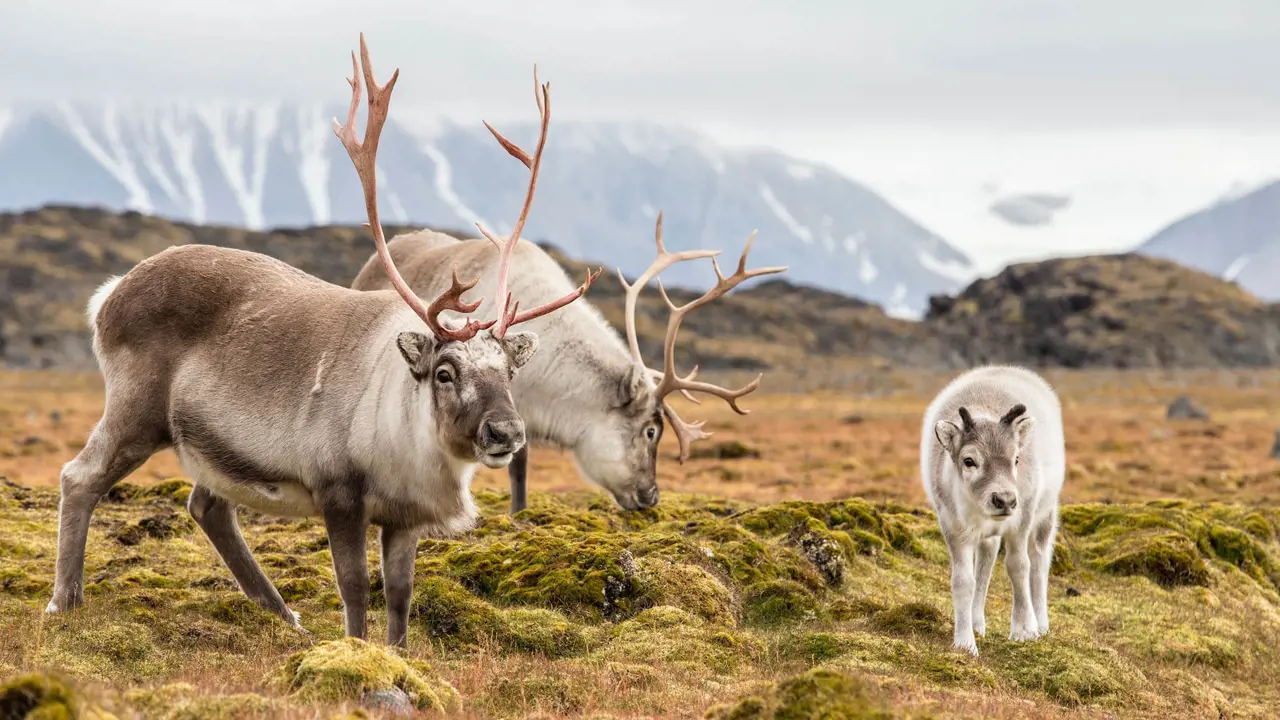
508,308
364,157
668,380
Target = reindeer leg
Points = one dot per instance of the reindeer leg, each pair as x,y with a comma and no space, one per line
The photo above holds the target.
518,472
345,523
217,518
399,548
118,445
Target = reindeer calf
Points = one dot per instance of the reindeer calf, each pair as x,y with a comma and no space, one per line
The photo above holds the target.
996,475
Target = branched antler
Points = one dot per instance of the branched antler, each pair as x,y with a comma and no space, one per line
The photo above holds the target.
668,380
364,156
509,315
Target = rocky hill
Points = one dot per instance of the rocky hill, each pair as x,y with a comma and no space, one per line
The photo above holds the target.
1104,311
1120,311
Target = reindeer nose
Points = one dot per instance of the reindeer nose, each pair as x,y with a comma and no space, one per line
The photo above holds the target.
1004,501
648,497
497,434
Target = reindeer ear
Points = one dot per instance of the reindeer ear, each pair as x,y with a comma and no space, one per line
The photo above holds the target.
520,348
416,349
1022,429
948,434
631,385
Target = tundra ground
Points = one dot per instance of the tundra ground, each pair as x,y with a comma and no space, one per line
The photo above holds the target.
791,568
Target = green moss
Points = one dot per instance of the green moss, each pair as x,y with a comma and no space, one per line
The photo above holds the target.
119,642
914,618
446,609
666,636
344,670
818,693
39,696
292,589
1069,667
778,601
541,631
20,582
1167,558
689,587
558,693
180,701
175,490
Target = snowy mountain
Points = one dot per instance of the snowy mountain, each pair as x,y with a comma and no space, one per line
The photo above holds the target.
599,193
1237,239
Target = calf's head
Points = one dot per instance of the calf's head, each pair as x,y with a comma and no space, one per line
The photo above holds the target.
985,453
468,384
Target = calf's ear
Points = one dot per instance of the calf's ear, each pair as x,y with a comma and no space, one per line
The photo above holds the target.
948,434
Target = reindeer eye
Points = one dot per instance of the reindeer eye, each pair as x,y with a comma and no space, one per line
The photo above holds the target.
651,432
443,377
969,463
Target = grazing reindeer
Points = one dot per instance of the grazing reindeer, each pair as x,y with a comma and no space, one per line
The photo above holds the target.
584,391
994,476
283,393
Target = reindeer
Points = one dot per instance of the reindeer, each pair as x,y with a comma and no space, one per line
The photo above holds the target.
282,393
585,391
995,477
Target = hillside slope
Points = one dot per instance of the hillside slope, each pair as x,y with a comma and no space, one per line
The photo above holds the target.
1103,311
1237,239
1111,311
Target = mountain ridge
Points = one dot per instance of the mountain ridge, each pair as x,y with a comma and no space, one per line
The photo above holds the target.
260,166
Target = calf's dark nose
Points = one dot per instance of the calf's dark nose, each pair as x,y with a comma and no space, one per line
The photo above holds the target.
1004,501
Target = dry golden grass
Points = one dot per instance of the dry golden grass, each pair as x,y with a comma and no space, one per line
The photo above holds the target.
827,444
165,611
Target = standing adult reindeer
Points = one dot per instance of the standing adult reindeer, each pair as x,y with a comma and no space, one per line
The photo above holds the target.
586,391
282,393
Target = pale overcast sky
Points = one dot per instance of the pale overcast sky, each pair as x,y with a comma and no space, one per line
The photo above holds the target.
839,80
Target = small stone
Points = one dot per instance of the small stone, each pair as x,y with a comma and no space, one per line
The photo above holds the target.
1275,446
1184,408
1072,591
395,701
56,417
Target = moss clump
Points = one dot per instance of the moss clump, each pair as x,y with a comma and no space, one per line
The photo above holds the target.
39,696
913,618
558,690
119,642
22,582
1067,666
347,669
1169,541
175,490
689,587
778,601
541,631
1167,558
667,636
818,693
731,450
446,609
863,522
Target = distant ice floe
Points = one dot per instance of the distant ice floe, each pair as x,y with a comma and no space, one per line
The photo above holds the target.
803,233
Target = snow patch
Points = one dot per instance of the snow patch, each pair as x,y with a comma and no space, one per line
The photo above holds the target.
897,306
950,269
851,242
800,172
394,204
114,158
6,119
181,144
1236,267
784,216
867,270
444,186
246,183
314,138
